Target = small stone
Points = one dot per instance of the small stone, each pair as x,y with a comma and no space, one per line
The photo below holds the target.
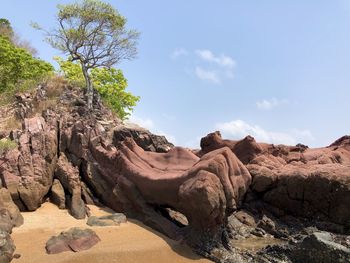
75,239
109,220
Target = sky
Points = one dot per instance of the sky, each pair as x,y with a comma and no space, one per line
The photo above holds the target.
277,70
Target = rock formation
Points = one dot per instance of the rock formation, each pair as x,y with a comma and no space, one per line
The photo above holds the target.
75,157
142,137
312,183
9,217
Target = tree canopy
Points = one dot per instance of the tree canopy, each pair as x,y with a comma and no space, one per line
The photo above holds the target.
94,34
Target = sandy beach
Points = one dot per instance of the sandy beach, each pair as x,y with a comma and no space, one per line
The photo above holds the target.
129,242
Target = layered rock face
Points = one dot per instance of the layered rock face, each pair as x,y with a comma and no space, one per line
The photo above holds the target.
28,171
129,179
76,157
312,183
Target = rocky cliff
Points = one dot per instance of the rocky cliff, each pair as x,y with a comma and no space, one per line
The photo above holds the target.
74,157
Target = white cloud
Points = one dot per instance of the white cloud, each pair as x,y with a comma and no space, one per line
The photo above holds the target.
270,104
149,125
221,66
238,129
211,67
207,75
178,53
209,56
144,123
170,138
194,143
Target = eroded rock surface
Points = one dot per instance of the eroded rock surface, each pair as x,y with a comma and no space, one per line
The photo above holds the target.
229,190
27,171
312,183
313,248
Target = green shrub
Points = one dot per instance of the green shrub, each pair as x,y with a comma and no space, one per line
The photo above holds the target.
109,82
6,145
18,68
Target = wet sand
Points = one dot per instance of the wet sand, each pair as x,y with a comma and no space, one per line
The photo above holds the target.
128,243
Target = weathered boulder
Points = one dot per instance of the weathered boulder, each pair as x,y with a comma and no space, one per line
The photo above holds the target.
68,175
57,195
10,215
75,239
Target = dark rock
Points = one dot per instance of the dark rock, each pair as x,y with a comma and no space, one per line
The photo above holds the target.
343,141
74,239
87,195
79,102
258,232
143,138
318,247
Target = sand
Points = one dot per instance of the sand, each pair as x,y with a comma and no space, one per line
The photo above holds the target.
129,242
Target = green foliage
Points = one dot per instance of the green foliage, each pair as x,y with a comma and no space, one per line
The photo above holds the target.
72,71
6,145
109,82
18,66
111,85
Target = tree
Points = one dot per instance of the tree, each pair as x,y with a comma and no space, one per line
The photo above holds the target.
94,34
109,82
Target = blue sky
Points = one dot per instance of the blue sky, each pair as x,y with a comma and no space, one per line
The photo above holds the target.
278,70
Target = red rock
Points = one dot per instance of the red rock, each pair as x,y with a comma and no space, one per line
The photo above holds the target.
68,175
313,183
28,171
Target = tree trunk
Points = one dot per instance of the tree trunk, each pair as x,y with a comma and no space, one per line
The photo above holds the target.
89,88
